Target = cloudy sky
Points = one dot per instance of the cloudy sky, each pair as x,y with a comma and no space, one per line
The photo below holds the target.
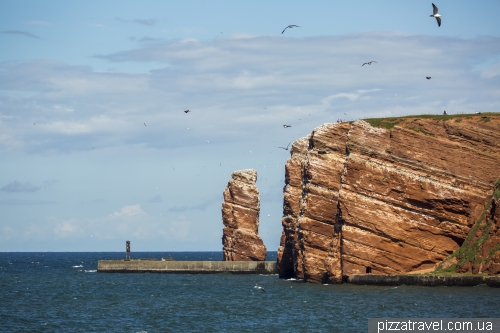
95,147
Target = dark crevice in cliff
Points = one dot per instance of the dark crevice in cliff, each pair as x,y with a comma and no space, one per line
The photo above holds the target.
371,264
335,253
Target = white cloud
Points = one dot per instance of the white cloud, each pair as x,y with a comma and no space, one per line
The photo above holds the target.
129,222
227,83
129,211
69,228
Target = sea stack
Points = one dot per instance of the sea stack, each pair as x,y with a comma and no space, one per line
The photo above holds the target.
240,215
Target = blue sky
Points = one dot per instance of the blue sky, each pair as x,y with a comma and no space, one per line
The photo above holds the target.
95,147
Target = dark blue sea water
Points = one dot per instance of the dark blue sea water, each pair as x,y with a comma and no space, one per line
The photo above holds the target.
62,292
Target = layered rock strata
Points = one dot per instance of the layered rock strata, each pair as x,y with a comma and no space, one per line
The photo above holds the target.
360,199
480,252
240,215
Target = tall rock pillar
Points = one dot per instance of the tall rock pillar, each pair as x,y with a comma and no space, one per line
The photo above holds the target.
240,215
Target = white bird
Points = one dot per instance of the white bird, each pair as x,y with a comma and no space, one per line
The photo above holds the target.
290,26
259,287
286,126
435,14
368,63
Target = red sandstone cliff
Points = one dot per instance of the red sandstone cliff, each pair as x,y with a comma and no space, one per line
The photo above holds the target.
479,252
364,199
240,215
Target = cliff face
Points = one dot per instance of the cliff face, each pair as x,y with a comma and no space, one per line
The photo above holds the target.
361,199
240,215
479,252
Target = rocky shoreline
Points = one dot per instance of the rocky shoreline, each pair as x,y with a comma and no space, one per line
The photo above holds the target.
424,280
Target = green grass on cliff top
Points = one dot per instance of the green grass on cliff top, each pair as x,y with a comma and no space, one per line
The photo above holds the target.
390,122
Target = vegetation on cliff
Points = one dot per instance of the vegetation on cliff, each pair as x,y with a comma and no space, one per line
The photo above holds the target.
390,122
480,246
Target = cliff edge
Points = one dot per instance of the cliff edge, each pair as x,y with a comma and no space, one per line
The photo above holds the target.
387,196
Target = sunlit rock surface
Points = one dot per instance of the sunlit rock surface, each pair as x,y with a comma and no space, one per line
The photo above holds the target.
392,199
240,215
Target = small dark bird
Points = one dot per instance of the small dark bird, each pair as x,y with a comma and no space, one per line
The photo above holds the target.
144,124
428,77
186,111
368,63
286,146
290,26
259,287
285,126
435,14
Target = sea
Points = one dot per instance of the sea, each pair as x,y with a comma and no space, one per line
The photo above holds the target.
62,292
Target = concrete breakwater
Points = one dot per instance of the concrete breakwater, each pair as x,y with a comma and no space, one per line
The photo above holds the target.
424,280
269,267
186,267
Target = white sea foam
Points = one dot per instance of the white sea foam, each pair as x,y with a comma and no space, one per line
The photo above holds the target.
77,266
90,271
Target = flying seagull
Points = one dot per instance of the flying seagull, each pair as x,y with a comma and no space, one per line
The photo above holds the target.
186,111
435,14
286,146
428,77
368,63
285,126
290,26
259,287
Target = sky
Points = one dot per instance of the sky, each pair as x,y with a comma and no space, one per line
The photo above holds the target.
95,148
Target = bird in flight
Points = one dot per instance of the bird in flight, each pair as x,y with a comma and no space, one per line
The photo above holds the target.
286,147
186,111
435,14
144,124
285,126
368,63
290,26
259,287
428,77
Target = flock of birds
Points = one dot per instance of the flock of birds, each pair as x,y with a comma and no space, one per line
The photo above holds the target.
435,14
